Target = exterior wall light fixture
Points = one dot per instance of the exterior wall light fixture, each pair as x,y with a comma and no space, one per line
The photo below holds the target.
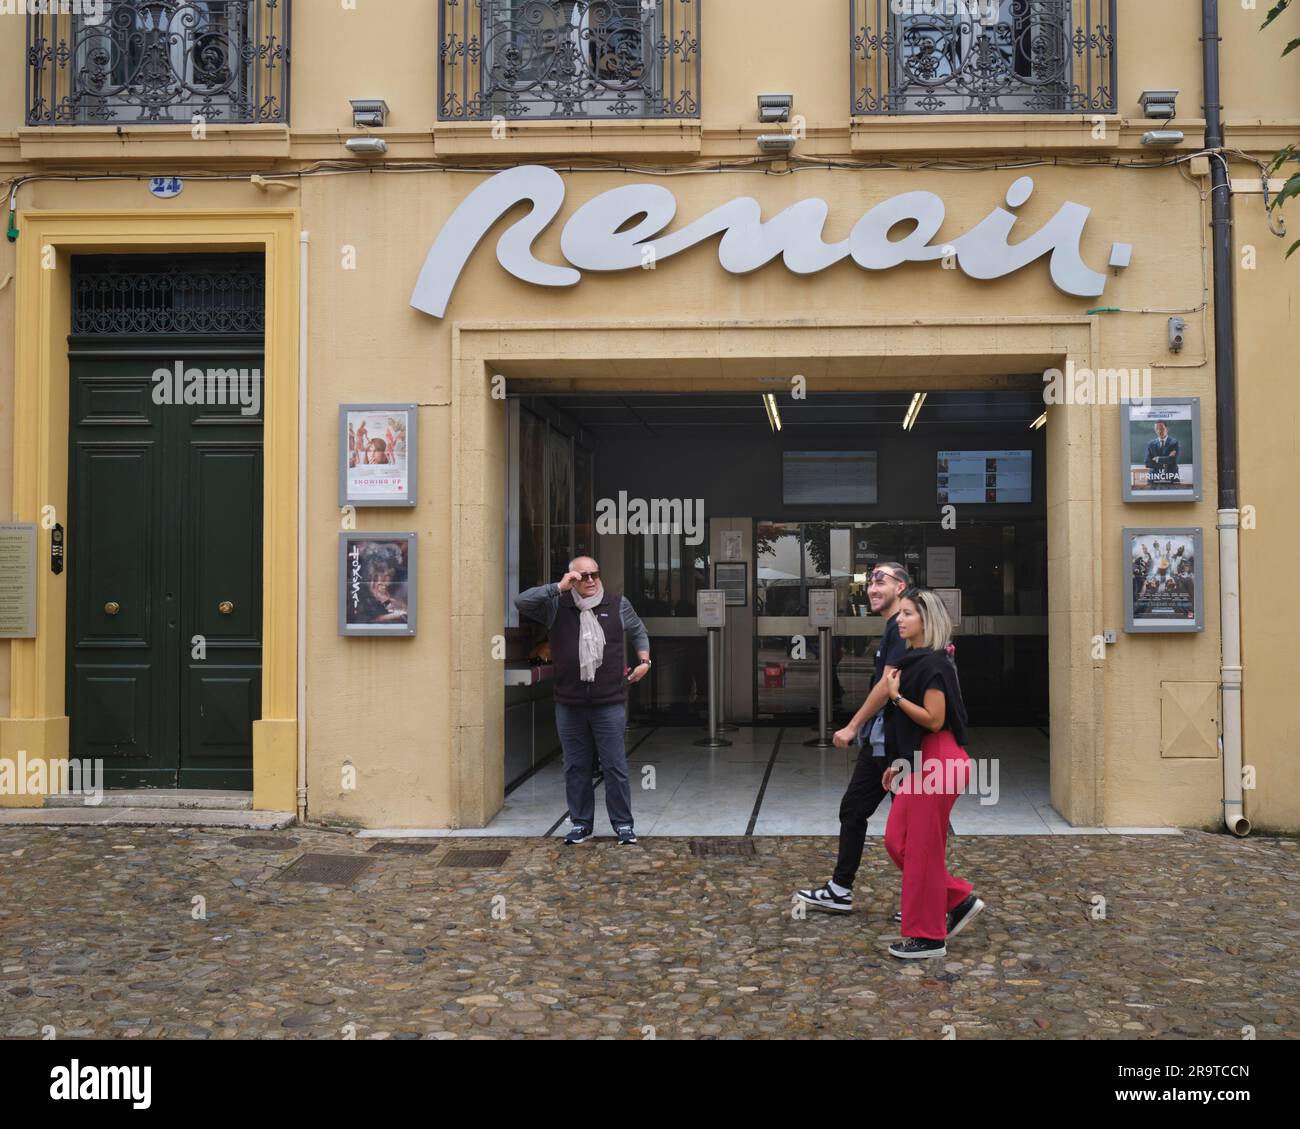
774,107
369,113
1158,103
776,142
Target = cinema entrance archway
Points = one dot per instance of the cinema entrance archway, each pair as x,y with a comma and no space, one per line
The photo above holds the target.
735,357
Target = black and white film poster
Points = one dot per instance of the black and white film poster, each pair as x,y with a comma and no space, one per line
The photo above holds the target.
1165,589
376,454
377,583
1161,441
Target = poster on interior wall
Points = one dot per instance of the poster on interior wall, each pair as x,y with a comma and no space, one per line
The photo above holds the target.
1164,589
1161,442
377,454
376,583
951,598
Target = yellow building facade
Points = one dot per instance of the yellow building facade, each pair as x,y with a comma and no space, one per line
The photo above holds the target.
408,732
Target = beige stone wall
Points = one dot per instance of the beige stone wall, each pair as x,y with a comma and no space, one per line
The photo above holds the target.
409,714
1268,407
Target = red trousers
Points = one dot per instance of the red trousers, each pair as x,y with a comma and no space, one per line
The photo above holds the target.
916,836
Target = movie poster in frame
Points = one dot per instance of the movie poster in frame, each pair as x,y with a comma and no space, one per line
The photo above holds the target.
377,454
1161,453
1164,581
377,583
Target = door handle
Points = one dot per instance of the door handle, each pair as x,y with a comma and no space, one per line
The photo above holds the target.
112,608
225,607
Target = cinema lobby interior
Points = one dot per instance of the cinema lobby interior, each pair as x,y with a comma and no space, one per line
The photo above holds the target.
781,496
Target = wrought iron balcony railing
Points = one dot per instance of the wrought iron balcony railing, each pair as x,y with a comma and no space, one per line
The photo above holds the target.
532,59
158,62
982,56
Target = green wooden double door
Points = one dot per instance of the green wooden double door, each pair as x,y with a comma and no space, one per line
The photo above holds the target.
164,561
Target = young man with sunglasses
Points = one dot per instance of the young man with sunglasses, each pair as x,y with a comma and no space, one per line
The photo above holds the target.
865,791
587,626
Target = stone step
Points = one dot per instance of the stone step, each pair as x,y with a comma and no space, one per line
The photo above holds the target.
146,817
191,799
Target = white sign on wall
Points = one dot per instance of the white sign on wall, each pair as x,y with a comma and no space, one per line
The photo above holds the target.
821,607
941,566
711,607
594,238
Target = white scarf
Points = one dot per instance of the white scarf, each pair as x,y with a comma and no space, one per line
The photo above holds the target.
591,636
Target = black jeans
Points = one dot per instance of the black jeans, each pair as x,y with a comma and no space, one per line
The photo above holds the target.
588,733
863,796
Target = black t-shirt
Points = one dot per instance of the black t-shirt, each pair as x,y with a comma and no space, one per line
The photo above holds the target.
890,650
891,647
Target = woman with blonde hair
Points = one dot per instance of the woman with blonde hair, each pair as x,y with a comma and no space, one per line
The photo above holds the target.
929,718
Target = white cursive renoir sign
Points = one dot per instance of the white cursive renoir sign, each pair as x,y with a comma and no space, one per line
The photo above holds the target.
593,238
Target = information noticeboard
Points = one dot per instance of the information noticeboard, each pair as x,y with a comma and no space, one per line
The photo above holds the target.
821,607
951,598
17,580
733,579
711,607
941,566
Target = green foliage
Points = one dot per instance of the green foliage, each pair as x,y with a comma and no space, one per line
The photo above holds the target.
1289,154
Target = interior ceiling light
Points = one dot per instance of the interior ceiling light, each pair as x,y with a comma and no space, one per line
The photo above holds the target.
773,415
913,410
1041,421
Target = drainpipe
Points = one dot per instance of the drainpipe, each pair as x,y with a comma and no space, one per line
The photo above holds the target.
1225,391
303,243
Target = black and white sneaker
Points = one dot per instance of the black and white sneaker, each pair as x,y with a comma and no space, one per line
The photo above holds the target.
823,897
963,914
626,836
579,834
917,948
897,919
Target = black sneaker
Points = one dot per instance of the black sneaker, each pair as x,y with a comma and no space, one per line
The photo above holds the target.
917,948
579,834
963,914
825,898
626,836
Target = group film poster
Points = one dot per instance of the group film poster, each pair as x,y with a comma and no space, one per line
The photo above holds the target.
1165,586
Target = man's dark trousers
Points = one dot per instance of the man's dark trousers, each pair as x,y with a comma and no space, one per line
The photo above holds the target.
588,733
864,794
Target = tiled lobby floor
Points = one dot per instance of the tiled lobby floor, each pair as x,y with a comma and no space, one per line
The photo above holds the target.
768,783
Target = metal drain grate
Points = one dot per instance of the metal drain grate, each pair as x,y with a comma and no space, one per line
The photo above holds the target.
325,870
264,843
493,859
723,849
400,847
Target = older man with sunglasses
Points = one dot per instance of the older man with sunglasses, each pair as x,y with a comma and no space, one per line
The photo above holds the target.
587,627
865,791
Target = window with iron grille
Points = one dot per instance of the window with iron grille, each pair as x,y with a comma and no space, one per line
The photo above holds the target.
982,56
168,294
160,62
532,59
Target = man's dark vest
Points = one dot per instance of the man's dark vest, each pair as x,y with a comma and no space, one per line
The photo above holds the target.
610,686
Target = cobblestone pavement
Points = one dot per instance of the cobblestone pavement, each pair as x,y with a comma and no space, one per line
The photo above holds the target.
102,934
